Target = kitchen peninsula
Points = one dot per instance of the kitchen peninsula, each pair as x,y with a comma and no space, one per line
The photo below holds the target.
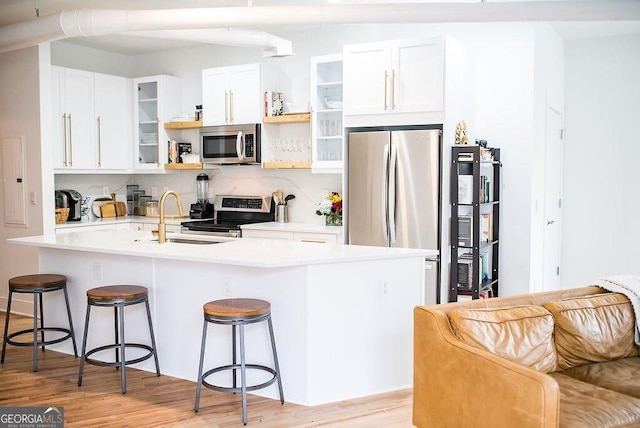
342,314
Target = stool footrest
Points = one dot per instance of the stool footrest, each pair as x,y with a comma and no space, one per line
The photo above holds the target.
237,367
38,344
118,363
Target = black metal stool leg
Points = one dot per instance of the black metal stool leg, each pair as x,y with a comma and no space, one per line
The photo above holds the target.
73,334
84,344
153,338
35,333
202,346
233,352
115,330
6,326
123,375
243,376
41,319
275,359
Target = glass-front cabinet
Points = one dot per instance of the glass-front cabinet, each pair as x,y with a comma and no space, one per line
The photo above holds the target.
157,100
326,110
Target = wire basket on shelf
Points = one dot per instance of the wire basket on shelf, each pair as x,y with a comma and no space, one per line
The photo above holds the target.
62,214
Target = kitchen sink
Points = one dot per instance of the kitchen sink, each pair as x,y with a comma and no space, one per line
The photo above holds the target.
191,241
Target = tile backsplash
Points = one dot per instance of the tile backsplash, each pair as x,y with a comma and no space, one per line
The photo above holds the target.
230,180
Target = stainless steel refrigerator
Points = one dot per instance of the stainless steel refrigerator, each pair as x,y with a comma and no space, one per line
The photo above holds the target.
393,192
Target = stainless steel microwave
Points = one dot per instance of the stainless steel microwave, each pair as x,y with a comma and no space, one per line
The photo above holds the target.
230,144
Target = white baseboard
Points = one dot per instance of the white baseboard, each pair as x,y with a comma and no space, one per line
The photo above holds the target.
18,306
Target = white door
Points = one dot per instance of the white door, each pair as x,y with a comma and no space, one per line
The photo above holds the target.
367,78
417,78
553,201
245,99
112,110
215,97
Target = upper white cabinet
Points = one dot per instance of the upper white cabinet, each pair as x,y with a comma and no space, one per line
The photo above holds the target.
398,76
113,116
326,114
157,99
231,95
91,124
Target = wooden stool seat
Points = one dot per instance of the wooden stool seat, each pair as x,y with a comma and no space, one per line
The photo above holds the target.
37,285
237,308
117,292
44,280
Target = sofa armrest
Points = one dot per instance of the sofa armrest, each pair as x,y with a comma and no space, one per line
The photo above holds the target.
455,384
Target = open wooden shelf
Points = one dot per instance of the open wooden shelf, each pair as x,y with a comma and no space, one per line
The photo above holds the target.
183,166
286,165
288,118
183,125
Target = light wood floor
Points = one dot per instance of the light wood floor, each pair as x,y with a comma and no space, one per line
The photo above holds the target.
164,401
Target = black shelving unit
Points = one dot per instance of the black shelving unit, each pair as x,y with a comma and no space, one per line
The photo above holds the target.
475,222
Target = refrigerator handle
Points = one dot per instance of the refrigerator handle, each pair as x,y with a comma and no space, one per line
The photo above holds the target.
391,202
385,193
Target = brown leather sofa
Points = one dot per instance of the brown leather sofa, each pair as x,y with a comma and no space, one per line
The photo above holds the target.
563,358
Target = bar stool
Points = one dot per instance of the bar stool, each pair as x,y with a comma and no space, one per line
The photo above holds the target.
117,297
238,312
37,284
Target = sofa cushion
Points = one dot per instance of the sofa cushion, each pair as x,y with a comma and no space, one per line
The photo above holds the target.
522,334
585,405
592,329
622,375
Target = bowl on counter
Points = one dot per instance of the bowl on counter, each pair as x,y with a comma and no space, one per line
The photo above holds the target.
62,214
333,102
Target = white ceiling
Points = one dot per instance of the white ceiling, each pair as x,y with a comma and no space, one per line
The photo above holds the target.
15,11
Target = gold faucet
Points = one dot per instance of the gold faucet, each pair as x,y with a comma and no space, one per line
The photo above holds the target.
162,228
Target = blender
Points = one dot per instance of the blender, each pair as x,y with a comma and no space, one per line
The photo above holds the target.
202,208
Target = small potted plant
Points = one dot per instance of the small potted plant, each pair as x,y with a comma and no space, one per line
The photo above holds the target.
331,208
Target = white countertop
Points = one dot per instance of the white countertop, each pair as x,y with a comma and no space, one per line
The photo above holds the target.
264,253
293,227
117,220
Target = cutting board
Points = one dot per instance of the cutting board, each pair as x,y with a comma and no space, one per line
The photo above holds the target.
108,209
121,207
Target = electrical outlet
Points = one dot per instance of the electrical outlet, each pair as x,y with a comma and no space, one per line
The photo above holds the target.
105,191
385,288
226,286
154,191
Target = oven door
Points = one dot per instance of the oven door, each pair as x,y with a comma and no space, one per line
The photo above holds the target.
227,145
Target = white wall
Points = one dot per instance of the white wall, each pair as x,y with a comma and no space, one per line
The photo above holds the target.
601,181
20,116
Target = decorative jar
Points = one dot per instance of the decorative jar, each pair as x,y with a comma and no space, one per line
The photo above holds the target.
333,219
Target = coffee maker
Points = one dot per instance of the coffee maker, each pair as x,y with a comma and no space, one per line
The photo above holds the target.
69,199
202,208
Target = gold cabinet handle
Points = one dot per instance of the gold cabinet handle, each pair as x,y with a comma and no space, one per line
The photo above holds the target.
70,142
386,78
393,89
64,131
99,143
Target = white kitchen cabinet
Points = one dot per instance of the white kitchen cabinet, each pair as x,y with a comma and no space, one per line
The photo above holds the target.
301,232
157,99
267,234
398,76
232,95
113,122
326,114
91,127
